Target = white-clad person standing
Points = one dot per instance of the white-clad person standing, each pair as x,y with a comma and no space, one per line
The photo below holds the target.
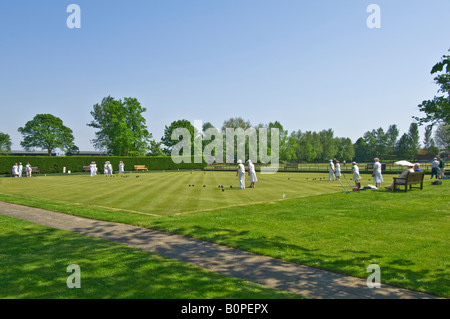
376,174
15,170
109,169
121,167
93,169
241,174
105,169
252,174
338,170
355,172
20,168
331,171
28,169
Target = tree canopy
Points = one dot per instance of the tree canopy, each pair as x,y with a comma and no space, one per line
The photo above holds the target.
438,109
167,140
122,129
47,132
5,143
442,136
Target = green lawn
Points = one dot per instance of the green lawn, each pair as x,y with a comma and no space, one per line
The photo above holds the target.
34,260
316,224
167,193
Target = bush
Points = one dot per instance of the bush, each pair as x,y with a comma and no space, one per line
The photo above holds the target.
55,164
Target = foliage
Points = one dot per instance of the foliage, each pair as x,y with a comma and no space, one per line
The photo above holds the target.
414,140
340,232
121,127
5,143
155,149
113,270
442,136
167,137
55,164
235,122
47,132
438,109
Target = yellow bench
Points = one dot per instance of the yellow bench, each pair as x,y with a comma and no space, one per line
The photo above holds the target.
140,168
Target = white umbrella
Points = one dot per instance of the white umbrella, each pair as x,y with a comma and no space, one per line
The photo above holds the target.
404,163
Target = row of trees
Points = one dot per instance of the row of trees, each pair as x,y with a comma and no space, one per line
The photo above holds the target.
121,130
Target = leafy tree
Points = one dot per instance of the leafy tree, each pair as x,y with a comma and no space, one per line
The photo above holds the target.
391,140
442,136
346,150
362,150
155,149
167,137
404,146
329,147
438,109
47,132
235,122
306,150
414,140
206,126
290,147
428,140
283,136
430,147
121,127
5,143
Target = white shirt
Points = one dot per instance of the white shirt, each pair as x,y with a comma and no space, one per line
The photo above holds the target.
377,166
435,164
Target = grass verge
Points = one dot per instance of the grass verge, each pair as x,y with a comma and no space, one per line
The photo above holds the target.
34,261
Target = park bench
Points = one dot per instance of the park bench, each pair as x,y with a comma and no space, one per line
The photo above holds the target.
140,168
86,168
35,170
409,180
291,166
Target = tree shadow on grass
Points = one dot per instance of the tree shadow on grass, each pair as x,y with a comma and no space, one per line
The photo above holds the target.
34,265
397,272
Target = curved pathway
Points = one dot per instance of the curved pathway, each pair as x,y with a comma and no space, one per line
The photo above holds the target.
297,279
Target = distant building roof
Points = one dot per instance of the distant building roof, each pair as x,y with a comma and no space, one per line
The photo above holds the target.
31,153
90,153
45,153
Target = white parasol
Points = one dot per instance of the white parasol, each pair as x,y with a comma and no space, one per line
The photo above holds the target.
404,163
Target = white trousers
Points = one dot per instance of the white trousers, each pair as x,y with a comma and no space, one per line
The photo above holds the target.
331,176
241,180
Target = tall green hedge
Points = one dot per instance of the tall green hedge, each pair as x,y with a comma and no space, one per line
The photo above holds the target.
55,164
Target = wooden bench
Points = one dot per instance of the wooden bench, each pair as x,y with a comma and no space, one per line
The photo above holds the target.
140,168
292,166
33,170
86,168
411,179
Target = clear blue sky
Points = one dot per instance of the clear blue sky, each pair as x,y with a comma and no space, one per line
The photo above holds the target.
311,65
